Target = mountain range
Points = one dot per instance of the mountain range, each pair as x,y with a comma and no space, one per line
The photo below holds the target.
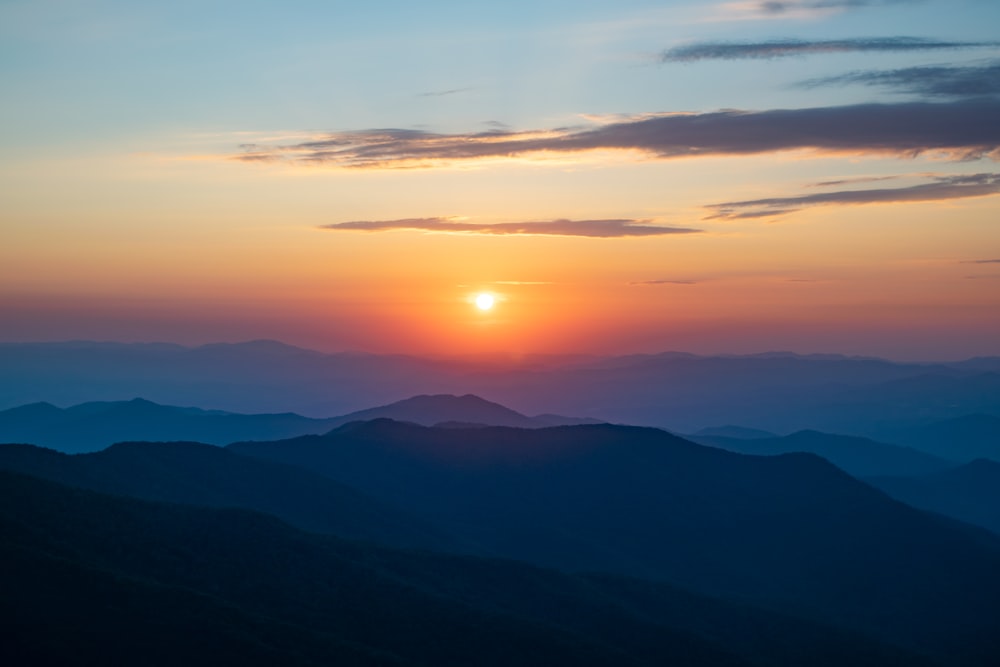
96,579
446,529
790,532
970,492
95,425
210,476
964,438
861,457
778,392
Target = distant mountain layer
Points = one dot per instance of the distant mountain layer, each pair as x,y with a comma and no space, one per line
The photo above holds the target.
791,531
731,431
93,426
780,393
860,457
964,438
467,409
969,493
95,579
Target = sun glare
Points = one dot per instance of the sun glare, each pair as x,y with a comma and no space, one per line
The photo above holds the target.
485,301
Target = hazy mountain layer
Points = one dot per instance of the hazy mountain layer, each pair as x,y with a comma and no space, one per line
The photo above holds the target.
970,492
858,456
93,426
964,438
773,392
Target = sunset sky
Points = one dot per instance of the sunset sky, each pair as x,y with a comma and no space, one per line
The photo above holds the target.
627,176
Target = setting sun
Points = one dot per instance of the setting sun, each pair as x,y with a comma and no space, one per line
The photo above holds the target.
485,301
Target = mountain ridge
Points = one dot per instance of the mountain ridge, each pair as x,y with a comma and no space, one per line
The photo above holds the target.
811,539
681,392
319,600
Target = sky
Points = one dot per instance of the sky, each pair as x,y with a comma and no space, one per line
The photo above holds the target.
628,176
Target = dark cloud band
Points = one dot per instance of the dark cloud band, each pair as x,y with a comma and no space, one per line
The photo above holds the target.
587,228
939,81
793,47
967,129
940,189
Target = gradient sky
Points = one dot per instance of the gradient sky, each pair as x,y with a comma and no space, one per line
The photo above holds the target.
808,175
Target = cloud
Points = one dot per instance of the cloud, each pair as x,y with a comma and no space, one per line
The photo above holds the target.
929,81
442,93
982,261
940,189
965,129
849,181
783,48
781,8
664,282
587,228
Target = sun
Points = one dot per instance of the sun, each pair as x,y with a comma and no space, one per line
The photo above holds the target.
485,301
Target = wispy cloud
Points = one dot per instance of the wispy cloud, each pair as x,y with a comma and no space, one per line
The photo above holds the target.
966,129
782,48
982,261
664,282
929,81
940,189
443,93
796,8
587,228
851,181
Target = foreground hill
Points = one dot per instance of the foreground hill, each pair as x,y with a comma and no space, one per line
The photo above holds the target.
791,531
969,493
198,474
861,457
95,579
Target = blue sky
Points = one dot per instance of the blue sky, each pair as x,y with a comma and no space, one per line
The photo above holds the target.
198,158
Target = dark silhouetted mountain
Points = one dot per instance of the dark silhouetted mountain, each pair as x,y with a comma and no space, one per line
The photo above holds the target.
96,579
446,408
860,457
970,492
56,610
962,439
730,431
780,393
199,474
92,426
791,531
